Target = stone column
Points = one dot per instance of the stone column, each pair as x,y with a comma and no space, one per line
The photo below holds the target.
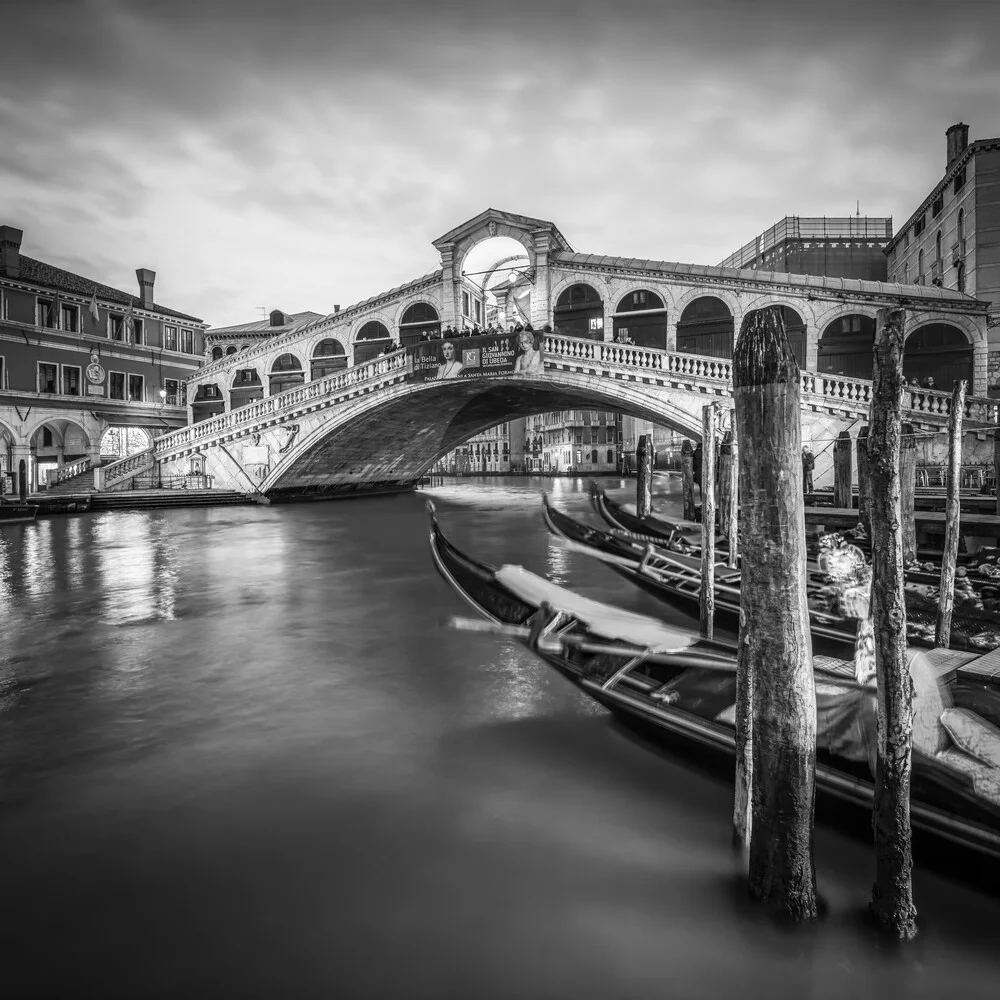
541,307
449,306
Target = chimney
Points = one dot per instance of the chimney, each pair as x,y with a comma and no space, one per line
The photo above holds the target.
277,317
336,308
10,251
958,139
146,279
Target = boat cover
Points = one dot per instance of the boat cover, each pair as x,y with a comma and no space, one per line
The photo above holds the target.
604,620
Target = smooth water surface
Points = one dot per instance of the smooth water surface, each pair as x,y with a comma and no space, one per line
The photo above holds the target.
239,757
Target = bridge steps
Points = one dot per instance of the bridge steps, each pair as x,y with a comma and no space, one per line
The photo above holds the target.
155,499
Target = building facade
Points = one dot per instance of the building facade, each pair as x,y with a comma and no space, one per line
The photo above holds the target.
573,441
78,357
952,240
497,451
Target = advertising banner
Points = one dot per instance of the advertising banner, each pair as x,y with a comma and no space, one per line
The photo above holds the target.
476,357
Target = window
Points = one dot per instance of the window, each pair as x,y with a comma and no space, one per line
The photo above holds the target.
70,380
597,323
117,383
187,341
3,376
937,247
172,389
136,389
46,437
170,338
47,376
906,272
216,353
961,231
920,267
137,331
70,319
45,313
479,311
116,327
465,303
906,240
920,225
960,284
937,205
960,180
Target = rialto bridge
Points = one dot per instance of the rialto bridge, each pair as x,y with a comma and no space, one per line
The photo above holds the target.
323,410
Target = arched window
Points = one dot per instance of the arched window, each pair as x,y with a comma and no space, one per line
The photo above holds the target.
371,340
960,281
329,357
645,322
920,267
593,457
706,327
845,348
246,388
611,456
579,312
961,230
216,353
418,319
937,247
941,351
230,350
286,372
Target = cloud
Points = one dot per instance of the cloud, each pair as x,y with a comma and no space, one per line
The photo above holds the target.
301,154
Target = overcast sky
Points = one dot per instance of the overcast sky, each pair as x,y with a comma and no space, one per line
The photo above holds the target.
296,154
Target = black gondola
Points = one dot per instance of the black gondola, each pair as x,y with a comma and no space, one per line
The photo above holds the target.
681,686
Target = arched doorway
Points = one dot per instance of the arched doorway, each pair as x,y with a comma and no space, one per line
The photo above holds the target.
420,318
286,373
845,347
57,443
939,351
706,328
247,387
372,339
329,357
579,312
641,316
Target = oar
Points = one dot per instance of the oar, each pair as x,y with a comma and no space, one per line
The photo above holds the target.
558,644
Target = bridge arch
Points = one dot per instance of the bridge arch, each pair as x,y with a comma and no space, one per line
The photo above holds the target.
641,315
578,307
707,326
370,337
490,229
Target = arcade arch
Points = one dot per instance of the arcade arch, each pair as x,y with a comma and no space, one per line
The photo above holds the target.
939,351
845,347
418,319
370,341
208,401
217,354
641,316
328,357
286,373
579,312
246,387
706,327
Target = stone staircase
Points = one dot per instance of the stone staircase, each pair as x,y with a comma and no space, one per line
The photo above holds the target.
153,499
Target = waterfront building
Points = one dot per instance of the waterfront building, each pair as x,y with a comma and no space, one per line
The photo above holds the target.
78,357
952,240
497,451
580,441
667,443
223,341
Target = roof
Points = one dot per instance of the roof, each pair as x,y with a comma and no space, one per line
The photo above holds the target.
36,272
292,320
980,145
816,282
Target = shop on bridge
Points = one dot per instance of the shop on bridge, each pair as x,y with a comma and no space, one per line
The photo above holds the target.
208,401
706,328
286,373
328,358
372,339
419,319
579,312
641,317
246,388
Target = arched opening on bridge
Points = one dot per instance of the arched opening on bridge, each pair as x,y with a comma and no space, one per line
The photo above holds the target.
286,373
372,339
641,317
56,443
329,357
579,312
419,319
231,350
216,353
795,331
706,327
208,401
845,348
246,388
939,351
497,271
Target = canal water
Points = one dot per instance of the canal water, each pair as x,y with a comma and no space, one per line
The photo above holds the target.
240,757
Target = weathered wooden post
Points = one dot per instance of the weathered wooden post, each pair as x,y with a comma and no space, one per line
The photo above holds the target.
892,892
996,465
864,482
709,440
774,663
725,481
733,518
952,516
843,474
644,476
687,479
907,486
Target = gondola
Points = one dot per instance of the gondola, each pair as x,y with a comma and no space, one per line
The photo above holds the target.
681,687
675,578
11,511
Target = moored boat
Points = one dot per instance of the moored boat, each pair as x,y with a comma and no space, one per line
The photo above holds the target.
12,511
683,688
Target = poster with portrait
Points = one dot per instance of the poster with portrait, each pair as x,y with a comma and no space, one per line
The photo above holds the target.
481,356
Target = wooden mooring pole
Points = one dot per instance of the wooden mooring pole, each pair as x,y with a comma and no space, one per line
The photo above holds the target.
907,486
687,479
731,507
709,440
843,473
892,892
952,517
644,476
864,482
774,662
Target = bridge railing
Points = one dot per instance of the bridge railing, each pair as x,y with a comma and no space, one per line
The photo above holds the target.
115,473
370,371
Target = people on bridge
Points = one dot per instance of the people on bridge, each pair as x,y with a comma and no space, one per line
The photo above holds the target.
450,367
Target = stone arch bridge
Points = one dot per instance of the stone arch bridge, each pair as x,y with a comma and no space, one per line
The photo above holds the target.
373,426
